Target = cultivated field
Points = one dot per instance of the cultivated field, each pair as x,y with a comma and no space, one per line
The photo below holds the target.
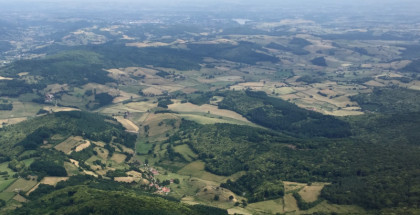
71,144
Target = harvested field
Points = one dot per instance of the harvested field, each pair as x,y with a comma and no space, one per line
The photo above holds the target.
21,185
53,180
100,144
59,109
134,174
12,121
292,186
4,78
212,109
290,204
311,193
82,146
75,162
147,44
90,173
70,144
20,198
119,158
127,179
128,125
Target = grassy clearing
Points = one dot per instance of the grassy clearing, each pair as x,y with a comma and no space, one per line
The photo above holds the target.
6,196
270,207
143,148
196,169
6,183
325,207
186,152
29,161
71,169
4,167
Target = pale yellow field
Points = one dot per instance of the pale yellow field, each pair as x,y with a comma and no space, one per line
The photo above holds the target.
59,109
53,180
134,174
128,125
69,144
4,78
75,162
311,193
206,108
146,44
126,179
291,186
119,158
213,120
82,146
12,121
290,203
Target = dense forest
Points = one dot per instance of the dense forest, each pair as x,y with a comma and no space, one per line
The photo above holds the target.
284,116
